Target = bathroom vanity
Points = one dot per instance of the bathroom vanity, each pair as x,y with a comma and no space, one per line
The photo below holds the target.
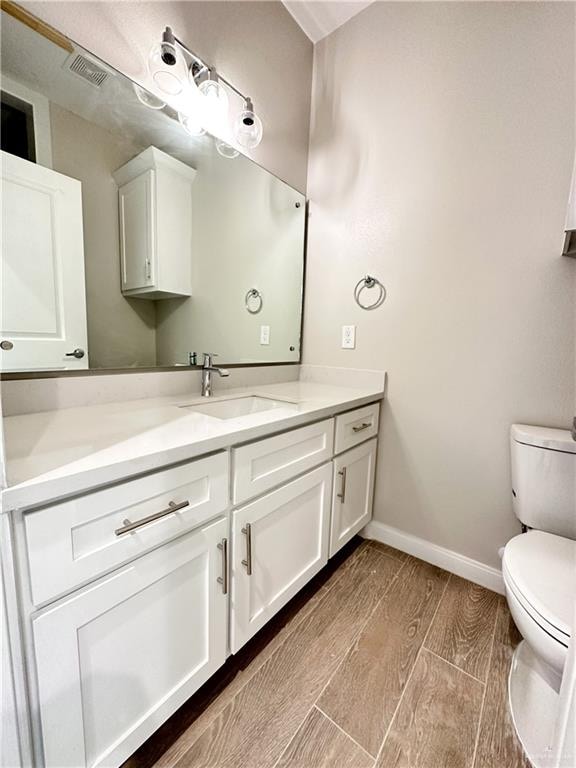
146,538
140,565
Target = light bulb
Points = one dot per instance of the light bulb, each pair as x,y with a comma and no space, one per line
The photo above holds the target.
191,124
248,127
214,101
147,98
226,150
167,66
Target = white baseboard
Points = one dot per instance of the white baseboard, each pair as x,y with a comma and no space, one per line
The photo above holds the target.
463,566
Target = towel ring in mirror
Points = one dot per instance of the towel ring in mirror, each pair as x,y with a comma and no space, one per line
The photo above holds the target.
253,301
369,282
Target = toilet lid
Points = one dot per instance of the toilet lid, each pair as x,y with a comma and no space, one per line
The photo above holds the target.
540,568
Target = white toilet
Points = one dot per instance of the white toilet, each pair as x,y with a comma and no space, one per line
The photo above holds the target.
539,570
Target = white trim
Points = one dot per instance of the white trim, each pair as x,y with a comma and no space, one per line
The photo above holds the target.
41,117
463,566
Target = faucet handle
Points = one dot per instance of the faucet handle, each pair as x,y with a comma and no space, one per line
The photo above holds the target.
208,358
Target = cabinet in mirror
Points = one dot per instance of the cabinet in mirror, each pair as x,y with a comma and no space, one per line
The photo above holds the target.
127,242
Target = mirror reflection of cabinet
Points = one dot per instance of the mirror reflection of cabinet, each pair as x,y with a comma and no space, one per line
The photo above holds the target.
155,208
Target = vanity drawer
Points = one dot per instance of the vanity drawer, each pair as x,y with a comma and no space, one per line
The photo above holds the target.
262,465
354,427
73,542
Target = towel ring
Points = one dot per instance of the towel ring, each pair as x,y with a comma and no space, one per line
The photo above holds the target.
369,282
253,295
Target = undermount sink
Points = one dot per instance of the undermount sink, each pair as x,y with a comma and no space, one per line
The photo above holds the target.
239,406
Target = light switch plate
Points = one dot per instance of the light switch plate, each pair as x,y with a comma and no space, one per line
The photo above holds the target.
265,335
348,337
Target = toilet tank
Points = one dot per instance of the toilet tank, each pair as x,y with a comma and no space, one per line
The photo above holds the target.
544,478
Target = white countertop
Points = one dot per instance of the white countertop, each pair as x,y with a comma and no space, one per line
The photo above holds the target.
53,454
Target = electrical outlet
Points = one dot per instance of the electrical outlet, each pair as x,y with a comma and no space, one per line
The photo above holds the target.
348,337
265,335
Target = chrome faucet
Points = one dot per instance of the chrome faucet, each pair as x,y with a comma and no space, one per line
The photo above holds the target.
207,370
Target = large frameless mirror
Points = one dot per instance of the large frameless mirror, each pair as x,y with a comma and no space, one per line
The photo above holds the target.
128,242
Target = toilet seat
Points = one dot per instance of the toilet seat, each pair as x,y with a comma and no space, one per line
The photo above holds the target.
539,569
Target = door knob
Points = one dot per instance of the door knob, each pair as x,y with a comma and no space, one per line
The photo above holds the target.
6,345
78,353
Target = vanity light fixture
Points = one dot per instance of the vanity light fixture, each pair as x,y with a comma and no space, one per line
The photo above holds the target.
191,124
226,150
147,98
172,65
248,126
167,65
215,97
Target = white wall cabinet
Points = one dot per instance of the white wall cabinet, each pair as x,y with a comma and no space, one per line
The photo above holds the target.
117,658
279,542
155,205
353,493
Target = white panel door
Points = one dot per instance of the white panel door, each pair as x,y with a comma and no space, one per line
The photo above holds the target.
353,493
115,660
279,542
43,289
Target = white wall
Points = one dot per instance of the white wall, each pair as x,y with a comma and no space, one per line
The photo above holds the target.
256,45
441,150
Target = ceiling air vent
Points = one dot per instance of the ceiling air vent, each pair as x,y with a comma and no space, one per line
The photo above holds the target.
86,69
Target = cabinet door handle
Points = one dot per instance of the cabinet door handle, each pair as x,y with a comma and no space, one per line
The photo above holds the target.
130,526
360,427
223,547
342,494
247,563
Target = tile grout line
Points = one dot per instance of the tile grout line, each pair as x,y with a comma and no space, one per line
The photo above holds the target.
456,667
354,556
481,716
344,656
412,671
315,706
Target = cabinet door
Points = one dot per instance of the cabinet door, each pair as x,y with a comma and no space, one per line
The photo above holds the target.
118,658
43,301
279,542
353,493
137,231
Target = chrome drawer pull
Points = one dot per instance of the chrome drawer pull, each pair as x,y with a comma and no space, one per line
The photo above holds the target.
342,494
360,427
130,526
247,531
223,547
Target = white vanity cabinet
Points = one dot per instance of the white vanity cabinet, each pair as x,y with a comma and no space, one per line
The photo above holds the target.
353,493
117,658
132,594
155,208
279,542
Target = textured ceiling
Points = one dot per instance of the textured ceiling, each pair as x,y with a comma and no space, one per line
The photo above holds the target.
319,18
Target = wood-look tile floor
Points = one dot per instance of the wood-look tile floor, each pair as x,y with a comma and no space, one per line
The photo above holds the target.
382,661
